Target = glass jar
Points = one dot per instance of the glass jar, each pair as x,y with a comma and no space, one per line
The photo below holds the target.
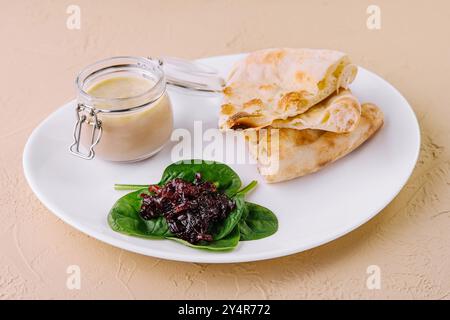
122,126
123,110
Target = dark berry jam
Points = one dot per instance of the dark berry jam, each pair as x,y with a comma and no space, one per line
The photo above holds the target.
190,209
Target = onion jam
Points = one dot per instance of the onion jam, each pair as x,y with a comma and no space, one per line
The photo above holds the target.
190,209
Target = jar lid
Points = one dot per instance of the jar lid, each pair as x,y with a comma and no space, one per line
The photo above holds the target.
192,76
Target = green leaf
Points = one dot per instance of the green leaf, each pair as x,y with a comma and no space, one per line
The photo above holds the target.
257,223
225,244
248,188
222,228
120,187
247,221
124,218
225,179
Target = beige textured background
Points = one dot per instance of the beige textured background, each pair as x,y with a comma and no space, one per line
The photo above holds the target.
409,240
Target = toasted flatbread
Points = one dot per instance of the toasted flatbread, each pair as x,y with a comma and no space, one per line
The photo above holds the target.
284,154
338,113
276,84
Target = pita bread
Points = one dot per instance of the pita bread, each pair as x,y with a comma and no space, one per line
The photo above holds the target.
281,83
300,152
338,113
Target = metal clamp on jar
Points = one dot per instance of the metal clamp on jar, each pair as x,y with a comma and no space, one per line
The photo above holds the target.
123,110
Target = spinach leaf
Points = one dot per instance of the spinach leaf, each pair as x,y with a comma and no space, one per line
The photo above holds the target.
222,228
257,223
225,179
225,244
124,218
246,222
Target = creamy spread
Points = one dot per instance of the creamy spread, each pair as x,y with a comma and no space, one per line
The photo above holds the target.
129,135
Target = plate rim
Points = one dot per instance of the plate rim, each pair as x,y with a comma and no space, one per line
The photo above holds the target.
213,256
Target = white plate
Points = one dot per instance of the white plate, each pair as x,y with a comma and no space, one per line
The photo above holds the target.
311,210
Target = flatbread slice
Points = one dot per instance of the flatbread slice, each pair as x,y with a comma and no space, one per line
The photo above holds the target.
281,83
284,154
338,113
